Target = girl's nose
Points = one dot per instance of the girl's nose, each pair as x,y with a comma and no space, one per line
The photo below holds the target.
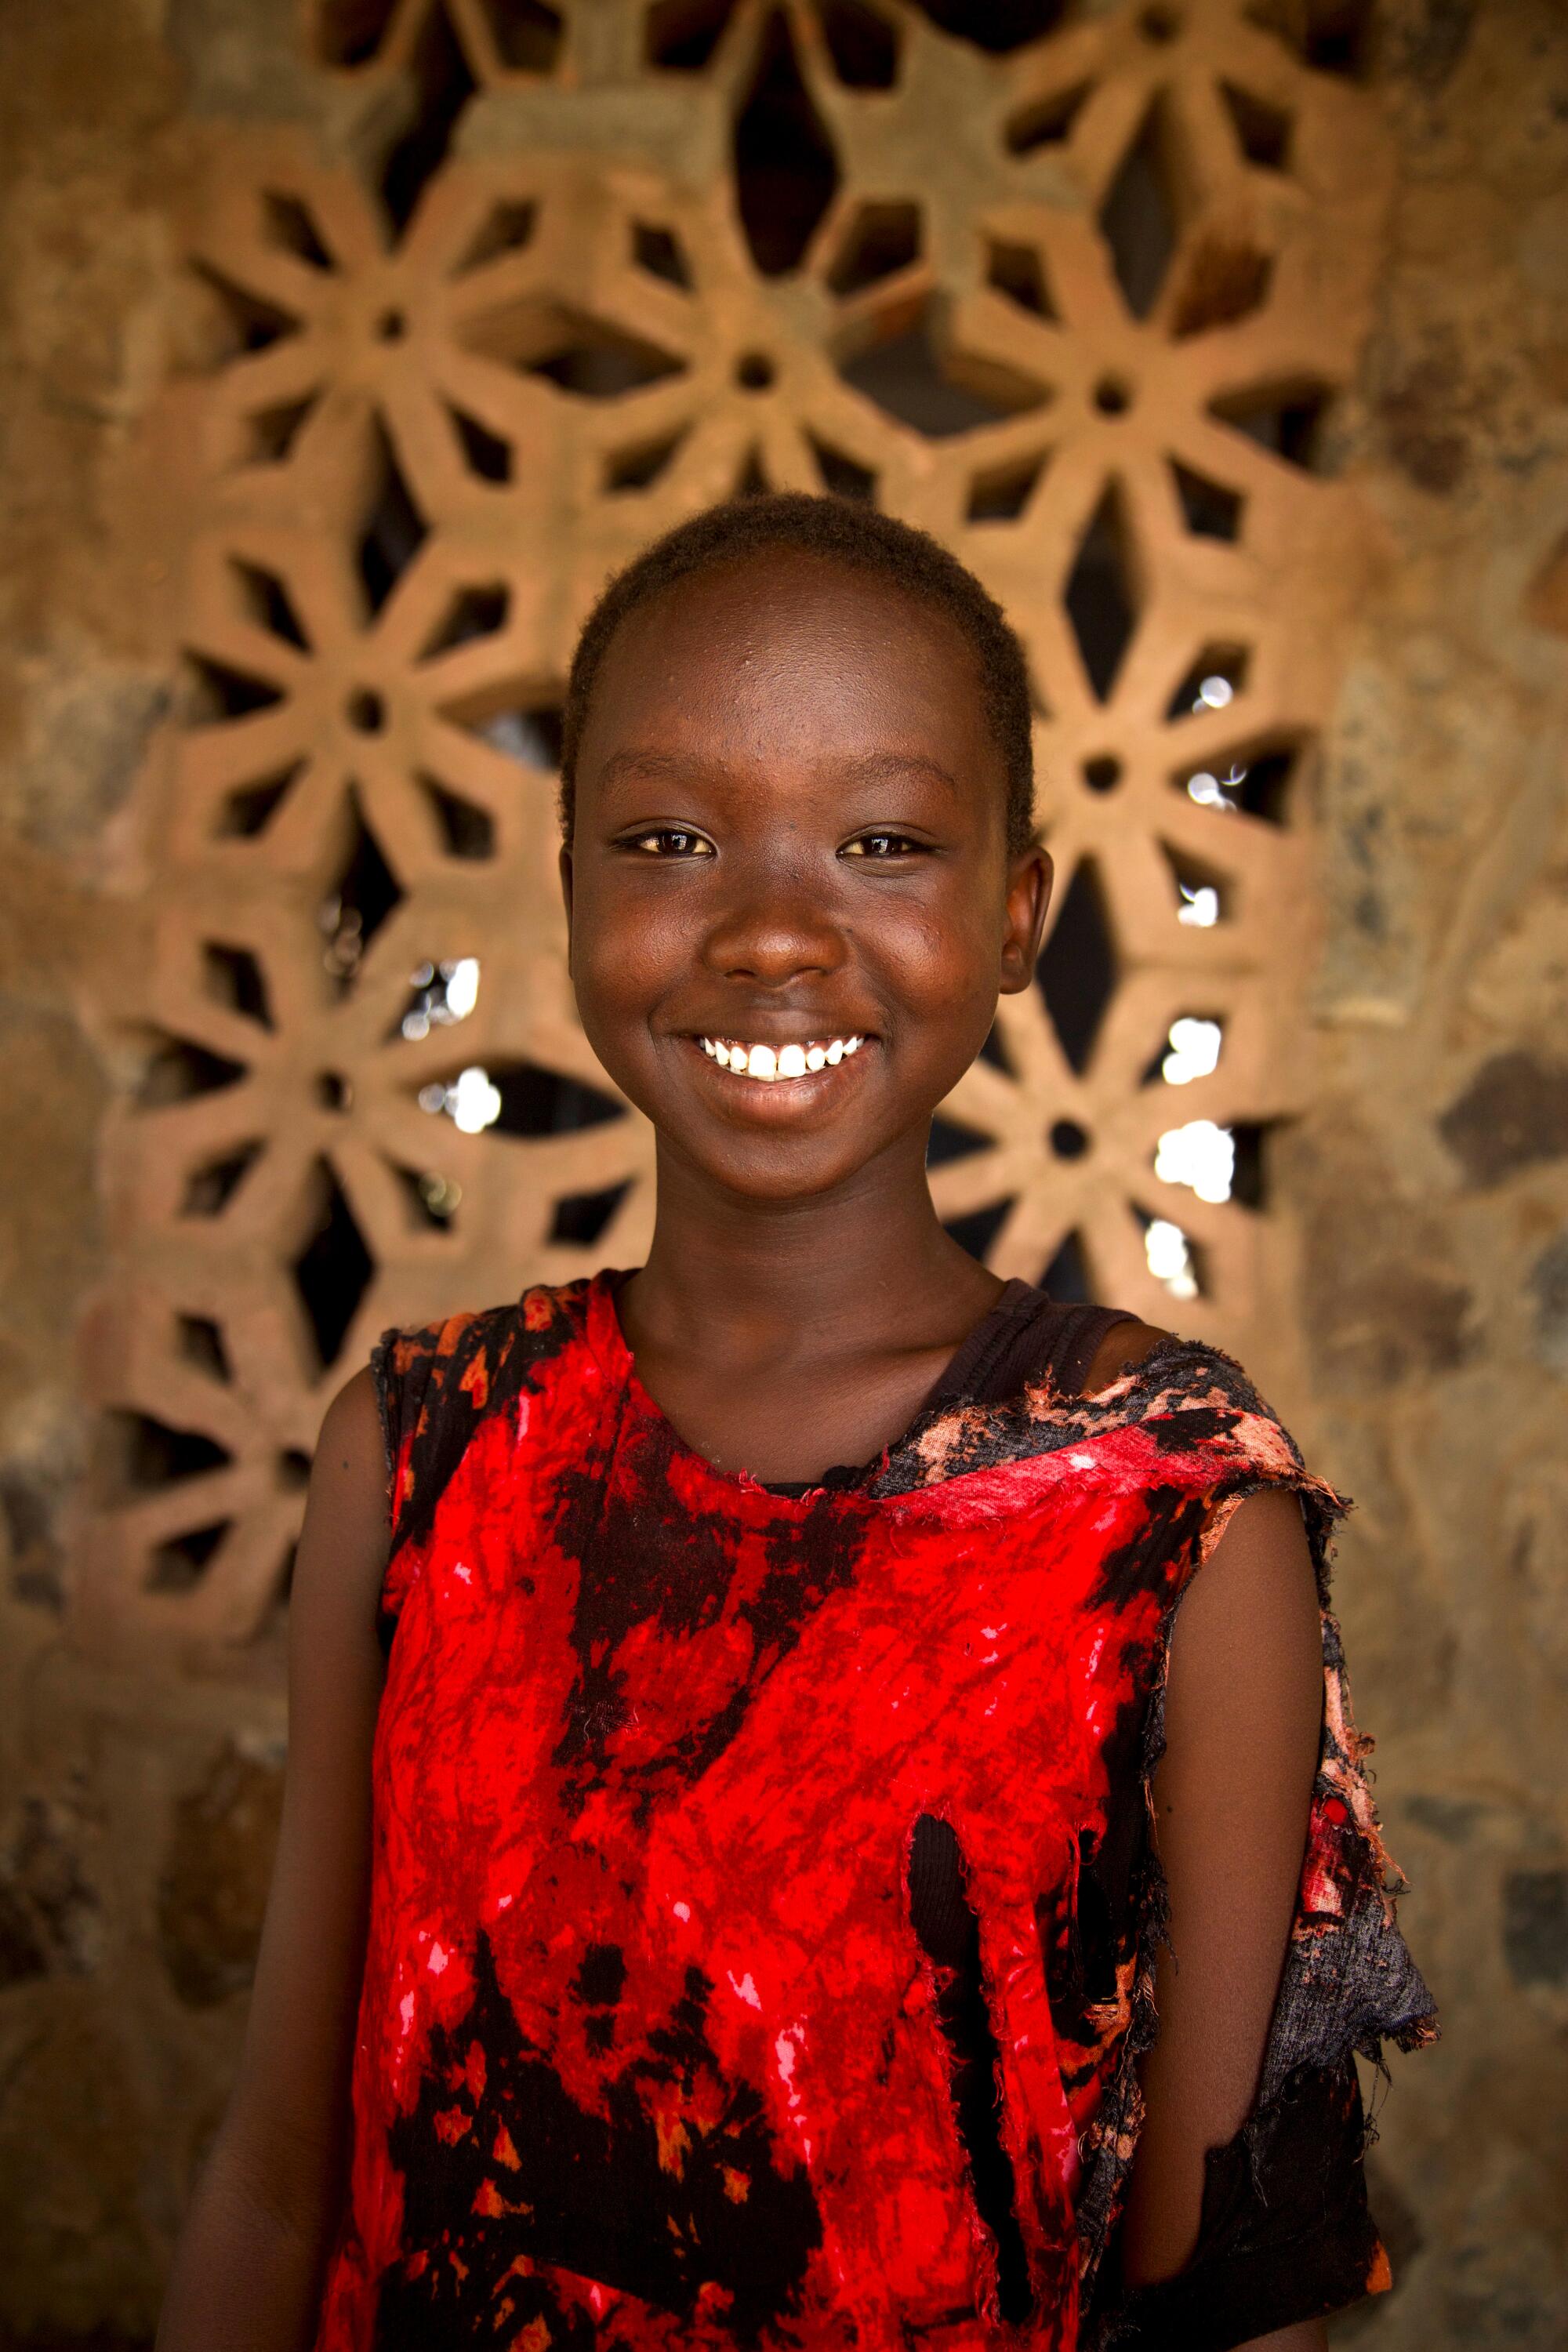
772,932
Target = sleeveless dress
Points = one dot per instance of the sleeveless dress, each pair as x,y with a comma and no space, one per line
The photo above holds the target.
650,2052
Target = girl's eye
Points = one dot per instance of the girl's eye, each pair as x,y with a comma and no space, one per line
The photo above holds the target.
670,841
881,846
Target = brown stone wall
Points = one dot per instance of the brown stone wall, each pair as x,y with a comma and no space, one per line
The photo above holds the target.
1376,231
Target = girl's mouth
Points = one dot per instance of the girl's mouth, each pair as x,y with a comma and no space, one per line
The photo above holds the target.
774,1065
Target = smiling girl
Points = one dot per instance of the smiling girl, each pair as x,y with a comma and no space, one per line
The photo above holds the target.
827,1789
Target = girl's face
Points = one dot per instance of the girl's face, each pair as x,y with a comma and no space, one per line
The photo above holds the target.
791,836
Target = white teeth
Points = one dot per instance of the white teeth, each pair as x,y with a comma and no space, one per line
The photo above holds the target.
772,1063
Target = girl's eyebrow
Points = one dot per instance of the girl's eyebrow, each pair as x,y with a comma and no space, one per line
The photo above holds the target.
878,766
871,768
654,766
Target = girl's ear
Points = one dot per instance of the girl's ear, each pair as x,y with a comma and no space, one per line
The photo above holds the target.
1029,896
565,869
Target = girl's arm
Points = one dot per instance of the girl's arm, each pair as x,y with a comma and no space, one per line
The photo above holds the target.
247,2274
1243,1721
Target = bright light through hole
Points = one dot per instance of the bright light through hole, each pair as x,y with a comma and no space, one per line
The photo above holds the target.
1200,1155
1199,905
1194,1051
443,993
1215,692
472,1104
462,980
1169,1259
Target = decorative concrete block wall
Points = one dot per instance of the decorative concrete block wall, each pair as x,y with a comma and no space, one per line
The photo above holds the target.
352,346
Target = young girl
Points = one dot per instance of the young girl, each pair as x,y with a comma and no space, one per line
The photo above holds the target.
799,1879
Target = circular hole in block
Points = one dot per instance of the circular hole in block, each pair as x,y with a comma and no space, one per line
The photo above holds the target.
1113,395
333,1091
392,326
1158,24
1068,1141
366,709
754,371
1102,776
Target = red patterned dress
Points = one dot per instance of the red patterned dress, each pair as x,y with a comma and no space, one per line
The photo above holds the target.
650,2054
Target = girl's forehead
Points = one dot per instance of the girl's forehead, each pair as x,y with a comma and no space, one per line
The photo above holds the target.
820,632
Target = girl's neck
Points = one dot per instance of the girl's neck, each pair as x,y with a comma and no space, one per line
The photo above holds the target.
867,1269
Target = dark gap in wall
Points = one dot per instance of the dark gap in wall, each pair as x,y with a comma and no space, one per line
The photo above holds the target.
1047,121
248,809
485,454
268,603
180,1562
1067,1277
363,896
1077,971
217,692
1138,218
950,1140
840,473
996,1053
1224,281
911,378
467,830
472,612
1249,1176
661,252
507,227
641,465
581,1217
1262,130
863,45
210,1187
146,1455
978,1230
199,1342
431,1198
1285,418
249,323
350,32
290,225
334,1270
1100,596
1224,666
176,1070
1017,271
394,530
786,170
537,1101
880,240
1002,492
682,35
527,34
1209,509
234,978
445,87
998,25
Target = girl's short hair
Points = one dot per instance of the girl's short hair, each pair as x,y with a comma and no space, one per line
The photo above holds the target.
847,532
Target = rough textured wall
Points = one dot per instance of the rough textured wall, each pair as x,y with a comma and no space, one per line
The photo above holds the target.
1429,1175
1419,1192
